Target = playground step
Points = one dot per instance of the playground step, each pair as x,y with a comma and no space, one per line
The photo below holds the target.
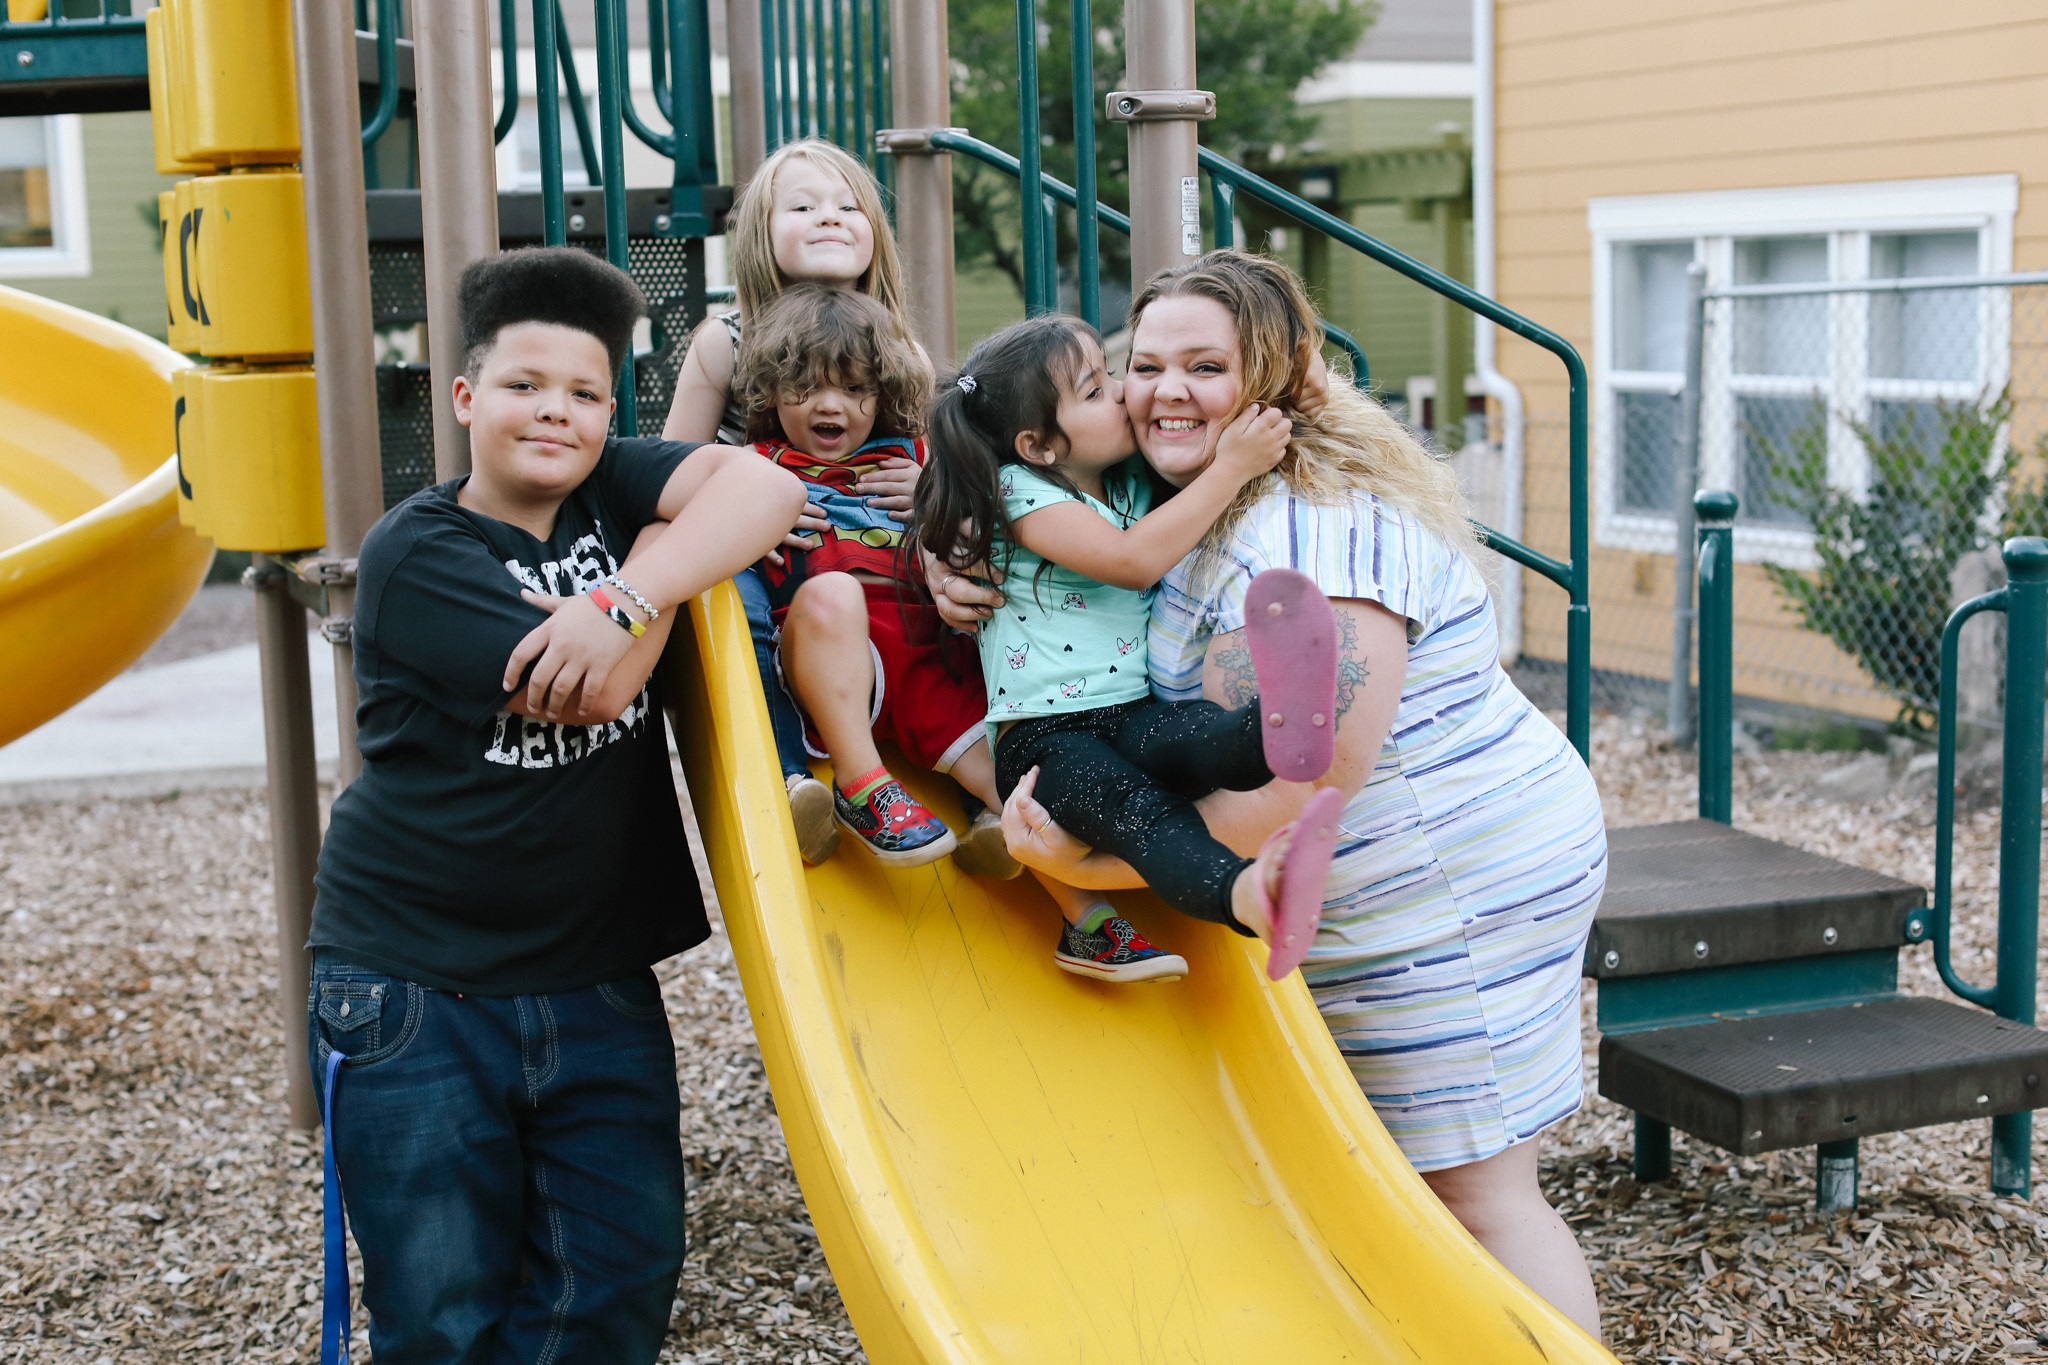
1697,894
1794,1080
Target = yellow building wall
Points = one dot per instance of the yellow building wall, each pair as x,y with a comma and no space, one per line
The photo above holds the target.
1670,96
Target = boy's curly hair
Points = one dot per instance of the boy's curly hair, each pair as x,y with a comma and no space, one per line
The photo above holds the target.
813,335
561,285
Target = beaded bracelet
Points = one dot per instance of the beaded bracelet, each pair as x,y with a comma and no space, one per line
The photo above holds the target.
647,608
616,613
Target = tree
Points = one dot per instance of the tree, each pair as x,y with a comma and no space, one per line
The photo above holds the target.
1253,53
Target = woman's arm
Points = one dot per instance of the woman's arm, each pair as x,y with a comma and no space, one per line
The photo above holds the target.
1075,537
1372,666
701,385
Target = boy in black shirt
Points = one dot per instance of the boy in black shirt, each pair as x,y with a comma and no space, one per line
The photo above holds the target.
498,882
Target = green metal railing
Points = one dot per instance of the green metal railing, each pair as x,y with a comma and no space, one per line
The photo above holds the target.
387,73
1714,512
825,74
2024,600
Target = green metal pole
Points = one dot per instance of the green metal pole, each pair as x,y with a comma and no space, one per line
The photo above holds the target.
611,94
771,87
821,112
863,144
798,40
1036,289
1087,225
508,30
554,219
884,97
2019,832
1223,208
387,74
839,72
579,111
660,73
1716,513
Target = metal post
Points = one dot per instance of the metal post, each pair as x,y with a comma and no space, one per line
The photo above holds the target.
1451,330
1653,1151
458,189
1685,482
1834,1175
921,77
611,96
1030,205
294,792
1716,513
880,94
756,128
338,260
2019,832
547,103
1159,48
839,73
1087,227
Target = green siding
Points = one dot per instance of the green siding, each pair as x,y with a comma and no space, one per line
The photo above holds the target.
126,282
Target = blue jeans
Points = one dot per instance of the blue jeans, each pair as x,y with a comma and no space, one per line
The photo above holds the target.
510,1165
783,721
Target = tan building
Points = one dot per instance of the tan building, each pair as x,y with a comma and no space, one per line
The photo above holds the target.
1806,141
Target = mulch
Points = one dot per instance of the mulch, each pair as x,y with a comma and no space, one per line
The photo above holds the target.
153,1206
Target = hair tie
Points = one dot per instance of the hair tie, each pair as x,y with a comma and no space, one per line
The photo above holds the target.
965,383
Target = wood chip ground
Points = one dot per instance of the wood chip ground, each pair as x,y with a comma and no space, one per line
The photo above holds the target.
153,1207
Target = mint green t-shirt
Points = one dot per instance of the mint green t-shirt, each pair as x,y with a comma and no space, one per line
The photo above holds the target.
1064,642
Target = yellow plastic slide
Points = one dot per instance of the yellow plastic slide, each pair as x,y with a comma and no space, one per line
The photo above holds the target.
93,563
1008,1163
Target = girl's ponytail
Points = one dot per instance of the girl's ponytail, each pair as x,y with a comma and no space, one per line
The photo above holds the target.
1010,383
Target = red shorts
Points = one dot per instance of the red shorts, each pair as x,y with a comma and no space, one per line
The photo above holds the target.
929,700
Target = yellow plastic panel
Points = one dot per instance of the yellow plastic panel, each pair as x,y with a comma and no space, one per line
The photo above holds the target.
181,326
257,486
237,101
160,82
249,232
93,563
188,443
1006,1163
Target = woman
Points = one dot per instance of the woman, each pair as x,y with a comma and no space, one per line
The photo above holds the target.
1473,853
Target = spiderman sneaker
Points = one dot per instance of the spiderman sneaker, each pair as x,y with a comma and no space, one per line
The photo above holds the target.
895,828
1112,950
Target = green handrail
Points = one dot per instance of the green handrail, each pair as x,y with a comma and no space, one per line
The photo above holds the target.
660,74
387,72
1578,618
1715,511
1087,228
1039,290
1361,371
660,142
554,220
572,84
950,140
508,52
771,70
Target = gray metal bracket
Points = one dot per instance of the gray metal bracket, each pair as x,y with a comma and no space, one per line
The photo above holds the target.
1159,106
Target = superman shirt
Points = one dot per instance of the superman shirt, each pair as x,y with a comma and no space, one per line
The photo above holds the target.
862,539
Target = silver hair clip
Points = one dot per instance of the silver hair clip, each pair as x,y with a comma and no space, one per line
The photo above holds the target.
965,383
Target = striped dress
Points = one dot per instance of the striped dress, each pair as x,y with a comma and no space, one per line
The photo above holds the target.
1471,861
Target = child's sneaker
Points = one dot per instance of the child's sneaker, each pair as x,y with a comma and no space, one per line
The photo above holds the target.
810,810
1108,947
984,852
895,828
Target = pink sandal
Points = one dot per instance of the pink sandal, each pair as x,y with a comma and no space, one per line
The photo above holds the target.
1292,632
1298,910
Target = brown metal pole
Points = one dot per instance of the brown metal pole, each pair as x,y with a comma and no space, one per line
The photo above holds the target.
344,363
458,188
744,117
920,80
1159,48
294,812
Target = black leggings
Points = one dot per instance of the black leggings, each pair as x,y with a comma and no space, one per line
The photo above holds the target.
1125,779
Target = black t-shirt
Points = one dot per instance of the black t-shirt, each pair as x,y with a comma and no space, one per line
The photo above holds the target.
480,850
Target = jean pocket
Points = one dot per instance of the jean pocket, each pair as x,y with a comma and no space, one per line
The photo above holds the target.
368,1019
636,997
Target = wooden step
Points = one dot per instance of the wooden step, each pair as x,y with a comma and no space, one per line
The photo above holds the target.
1697,895
1793,1080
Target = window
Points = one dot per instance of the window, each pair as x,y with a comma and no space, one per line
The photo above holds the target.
1778,370
42,198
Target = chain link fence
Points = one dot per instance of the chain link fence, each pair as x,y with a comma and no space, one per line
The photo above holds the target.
1884,437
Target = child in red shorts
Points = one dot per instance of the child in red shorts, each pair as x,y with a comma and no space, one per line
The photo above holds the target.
821,371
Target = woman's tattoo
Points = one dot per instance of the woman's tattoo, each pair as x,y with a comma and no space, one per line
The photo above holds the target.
1239,682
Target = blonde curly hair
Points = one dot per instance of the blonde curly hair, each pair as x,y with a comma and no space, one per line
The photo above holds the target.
1352,443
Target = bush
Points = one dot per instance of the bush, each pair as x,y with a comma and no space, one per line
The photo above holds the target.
1881,590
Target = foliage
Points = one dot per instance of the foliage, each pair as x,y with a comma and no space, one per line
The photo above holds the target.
1881,591
1253,53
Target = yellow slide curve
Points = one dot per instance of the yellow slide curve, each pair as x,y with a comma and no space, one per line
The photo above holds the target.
1008,1163
93,563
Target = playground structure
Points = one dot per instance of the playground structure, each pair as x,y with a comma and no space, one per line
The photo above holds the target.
936,1079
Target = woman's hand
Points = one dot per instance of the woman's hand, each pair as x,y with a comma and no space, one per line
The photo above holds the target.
1253,443
813,519
1035,839
891,485
962,602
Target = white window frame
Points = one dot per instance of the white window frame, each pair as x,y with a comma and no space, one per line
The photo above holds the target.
1847,215
70,254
